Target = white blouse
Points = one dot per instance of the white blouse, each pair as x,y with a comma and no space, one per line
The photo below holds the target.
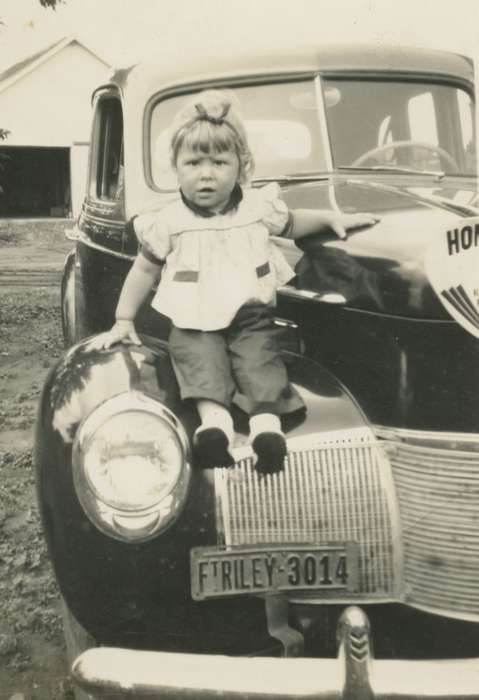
215,265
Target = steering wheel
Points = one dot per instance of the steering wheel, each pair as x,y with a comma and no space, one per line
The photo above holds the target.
407,144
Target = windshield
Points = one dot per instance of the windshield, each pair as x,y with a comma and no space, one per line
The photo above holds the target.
281,120
404,125
315,125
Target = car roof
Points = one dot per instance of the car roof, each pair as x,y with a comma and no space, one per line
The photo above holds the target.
168,71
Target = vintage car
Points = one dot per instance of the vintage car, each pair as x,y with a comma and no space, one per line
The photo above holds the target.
171,576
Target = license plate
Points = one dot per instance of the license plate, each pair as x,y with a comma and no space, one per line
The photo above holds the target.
216,572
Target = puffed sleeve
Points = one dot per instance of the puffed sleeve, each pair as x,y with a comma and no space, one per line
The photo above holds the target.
275,213
153,234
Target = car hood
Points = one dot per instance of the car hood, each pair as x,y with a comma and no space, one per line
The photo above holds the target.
380,268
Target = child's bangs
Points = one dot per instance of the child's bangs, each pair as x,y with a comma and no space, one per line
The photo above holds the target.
205,137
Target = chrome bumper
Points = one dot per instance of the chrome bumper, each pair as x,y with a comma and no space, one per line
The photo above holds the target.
354,675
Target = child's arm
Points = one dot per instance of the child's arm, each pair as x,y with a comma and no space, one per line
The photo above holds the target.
308,221
138,283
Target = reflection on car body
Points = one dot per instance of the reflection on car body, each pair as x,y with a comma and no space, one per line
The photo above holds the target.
377,506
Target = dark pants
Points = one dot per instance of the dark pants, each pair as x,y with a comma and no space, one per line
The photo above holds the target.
240,364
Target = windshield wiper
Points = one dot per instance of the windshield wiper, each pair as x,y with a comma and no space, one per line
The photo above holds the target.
285,179
438,174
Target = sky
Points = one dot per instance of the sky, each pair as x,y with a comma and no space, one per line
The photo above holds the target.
124,31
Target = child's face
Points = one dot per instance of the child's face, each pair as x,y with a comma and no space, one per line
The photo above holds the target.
207,179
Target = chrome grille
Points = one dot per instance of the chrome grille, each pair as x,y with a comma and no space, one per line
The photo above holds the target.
437,483
335,487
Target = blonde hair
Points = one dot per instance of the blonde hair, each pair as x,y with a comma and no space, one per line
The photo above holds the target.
210,123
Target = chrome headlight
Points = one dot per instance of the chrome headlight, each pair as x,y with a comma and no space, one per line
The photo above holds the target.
130,467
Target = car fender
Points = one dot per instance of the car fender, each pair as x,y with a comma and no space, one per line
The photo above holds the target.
89,564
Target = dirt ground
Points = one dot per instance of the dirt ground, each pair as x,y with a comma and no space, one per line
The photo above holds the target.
32,657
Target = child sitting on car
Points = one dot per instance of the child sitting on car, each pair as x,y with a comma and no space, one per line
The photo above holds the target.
220,271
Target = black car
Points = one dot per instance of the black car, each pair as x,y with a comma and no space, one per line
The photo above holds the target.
162,566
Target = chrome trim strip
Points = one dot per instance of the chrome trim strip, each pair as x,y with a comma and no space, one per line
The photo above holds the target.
436,439
395,514
304,294
92,219
432,200
285,323
356,437
323,124
353,598
323,121
83,238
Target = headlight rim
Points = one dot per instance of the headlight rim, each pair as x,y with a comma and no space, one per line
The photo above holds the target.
103,514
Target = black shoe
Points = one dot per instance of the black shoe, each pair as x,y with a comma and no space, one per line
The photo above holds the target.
210,449
271,450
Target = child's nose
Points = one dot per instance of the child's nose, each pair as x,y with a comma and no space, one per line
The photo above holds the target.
206,170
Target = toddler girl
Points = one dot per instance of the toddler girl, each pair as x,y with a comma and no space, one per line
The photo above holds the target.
219,274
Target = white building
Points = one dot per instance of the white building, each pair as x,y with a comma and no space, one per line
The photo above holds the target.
45,104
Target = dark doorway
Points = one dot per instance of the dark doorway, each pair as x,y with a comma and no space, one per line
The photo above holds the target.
34,182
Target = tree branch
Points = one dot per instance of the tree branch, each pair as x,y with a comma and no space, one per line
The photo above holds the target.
51,3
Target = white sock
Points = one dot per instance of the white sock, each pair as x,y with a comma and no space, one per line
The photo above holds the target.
214,415
264,423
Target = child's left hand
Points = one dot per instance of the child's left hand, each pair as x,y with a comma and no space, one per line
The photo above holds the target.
342,224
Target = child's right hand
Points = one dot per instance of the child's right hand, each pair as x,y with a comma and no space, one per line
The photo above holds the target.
122,332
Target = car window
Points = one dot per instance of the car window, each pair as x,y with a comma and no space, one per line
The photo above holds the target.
107,165
282,124
399,123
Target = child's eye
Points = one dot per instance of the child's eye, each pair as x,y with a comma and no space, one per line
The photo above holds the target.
193,161
220,161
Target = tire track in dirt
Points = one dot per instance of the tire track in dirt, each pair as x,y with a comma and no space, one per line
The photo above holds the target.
30,278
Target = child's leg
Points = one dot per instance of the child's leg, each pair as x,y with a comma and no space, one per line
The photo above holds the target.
263,381
214,436
203,370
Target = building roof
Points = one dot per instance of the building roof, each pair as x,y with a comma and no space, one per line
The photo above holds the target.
18,70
